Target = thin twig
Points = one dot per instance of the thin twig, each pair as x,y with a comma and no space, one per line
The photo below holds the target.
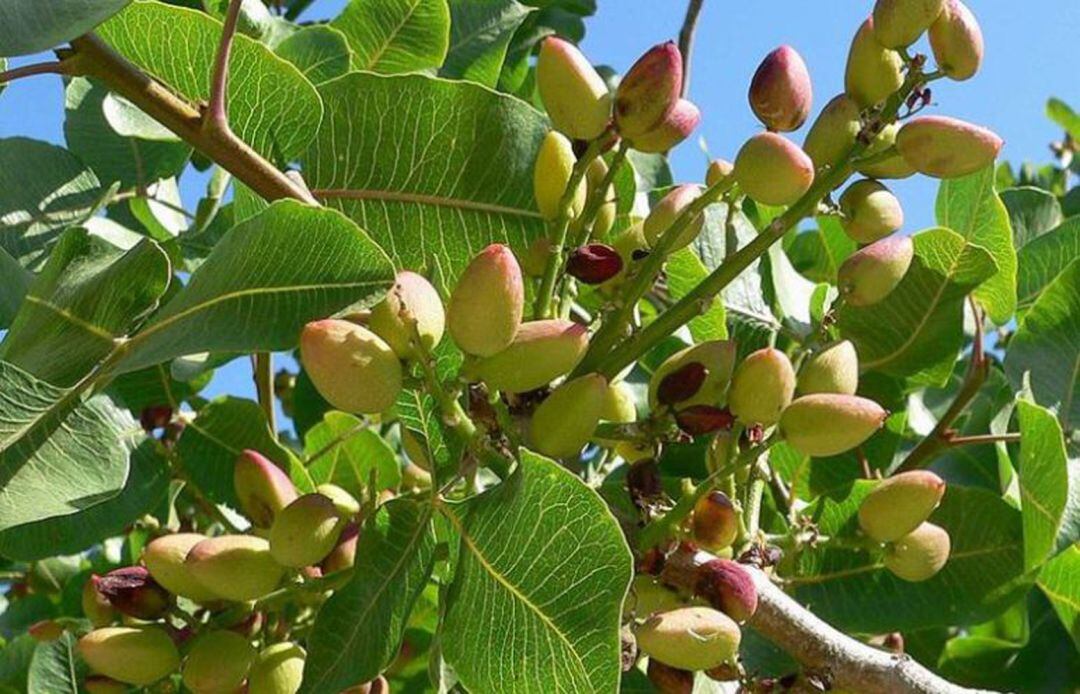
55,67
982,439
686,39
262,366
217,113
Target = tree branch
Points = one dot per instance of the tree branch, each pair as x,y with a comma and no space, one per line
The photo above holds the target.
686,39
217,113
55,67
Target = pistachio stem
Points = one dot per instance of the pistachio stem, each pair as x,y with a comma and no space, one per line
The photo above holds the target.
217,113
262,366
982,438
54,67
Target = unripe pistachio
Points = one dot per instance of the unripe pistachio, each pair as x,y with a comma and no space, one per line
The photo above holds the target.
595,263
665,212
689,638
649,90
648,595
346,504
632,248
669,680
415,478
305,531
773,170
832,369
606,213
834,132
873,71
900,23
164,559
762,387
575,96
135,655
415,450
715,357
235,567
96,606
278,669
728,587
350,366
262,487
552,173
218,662
718,170
488,302
99,684
567,419
534,261
134,592
870,211
541,351
344,553
920,554
698,420
619,406
900,504
633,451
892,167
715,522
721,451
411,306
675,127
945,147
870,274
45,631
957,41
827,424
780,92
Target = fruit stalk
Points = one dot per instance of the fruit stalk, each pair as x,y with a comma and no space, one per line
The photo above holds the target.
262,366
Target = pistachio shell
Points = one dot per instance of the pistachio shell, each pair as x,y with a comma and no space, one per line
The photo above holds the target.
718,358
235,567
551,174
773,170
827,424
893,166
135,655
762,387
665,212
575,96
957,41
870,211
619,406
567,419
718,170
305,531
411,306
690,638
648,596
350,366
945,147
900,504
714,522
780,92
728,587
900,23
541,352
649,90
343,556
346,503
920,554
832,369
218,662
262,487
488,302
873,71
872,273
834,132
675,127
278,669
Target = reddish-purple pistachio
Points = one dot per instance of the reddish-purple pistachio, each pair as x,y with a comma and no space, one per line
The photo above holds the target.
594,264
155,417
699,420
682,383
780,93
134,592
649,90
670,680
728,587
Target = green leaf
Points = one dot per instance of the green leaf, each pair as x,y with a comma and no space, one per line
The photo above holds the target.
14,283
43,190
358,631
461,176
344,450
393,36
262,283
791,291
55,667
85,300
917,330
1043,259
1032,213
818,252
1062,114
1044,481
32,26
542,573
480,32
272,107
58,455
970,207
419,413
321,52
1047,344
684,272
156,385
1060,582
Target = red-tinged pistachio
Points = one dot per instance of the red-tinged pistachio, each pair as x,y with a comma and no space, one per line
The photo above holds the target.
873,71
832,369
900,504
649,90
718,170
605,214
551,174
773,170
164,559
665,212
892,166
594,264
870,211
96,606
681,384
218,662
718,359
541,352
698,420
567,419
632,248
728,587
278,669
920,554
957,41
872,273
344,553
262,487
689,638
235,567
155,417
411,307
669,680
715,522
488,302
134,655
827,424
350,366
762,387
134,592
945,147
675,127
346,504
45,631
834,132
780,92
575,96
99,684
305,531
900,23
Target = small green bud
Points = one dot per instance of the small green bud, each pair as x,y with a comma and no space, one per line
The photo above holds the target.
218,662
773,170
262,488
567,419
920,554
718,359
944,147
575,96
957,41
346,504
305,531
164,559
488,302
235,567
718,170
873,71
667,211
714,522
649,90
900,23
870,274
762,387
350,366
690,638
780,92
134,655
96,606
832,369
552,173
411,306
648,596
870,211
278,669
834,131
891,167
605,215
827,424
541,352
675,127
900,504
